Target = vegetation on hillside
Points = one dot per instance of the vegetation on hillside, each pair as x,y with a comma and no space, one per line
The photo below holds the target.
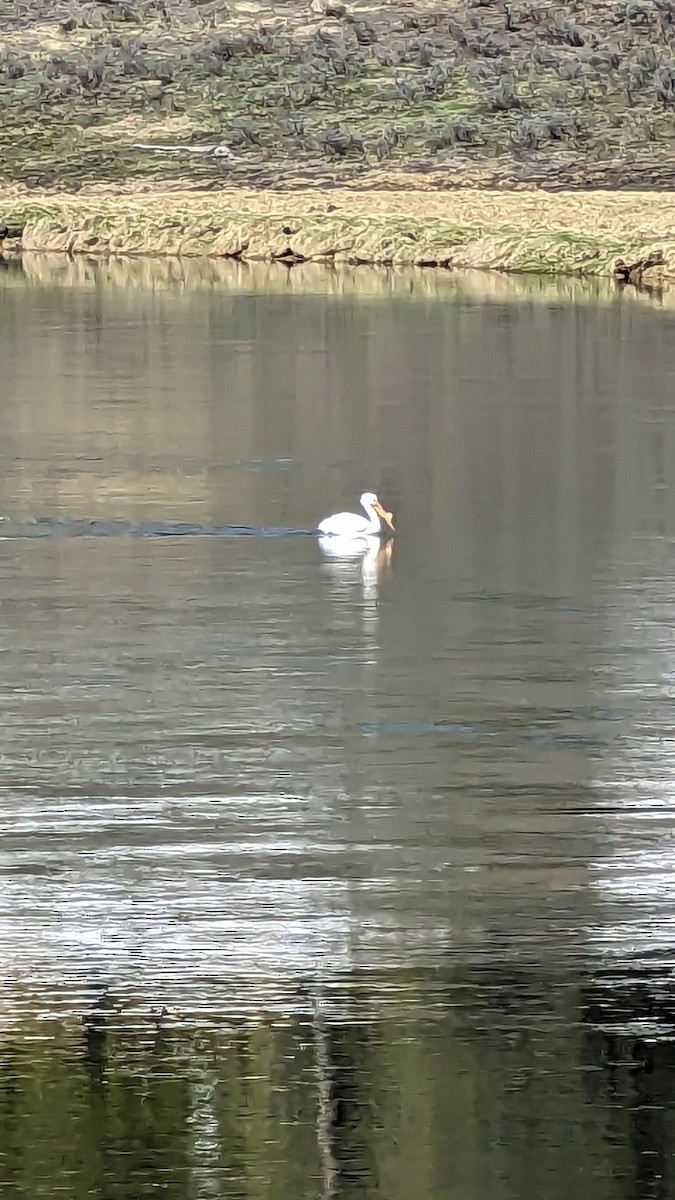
287,93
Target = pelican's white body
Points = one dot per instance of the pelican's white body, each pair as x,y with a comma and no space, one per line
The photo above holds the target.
351,525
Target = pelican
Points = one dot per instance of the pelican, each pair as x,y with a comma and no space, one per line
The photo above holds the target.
351,525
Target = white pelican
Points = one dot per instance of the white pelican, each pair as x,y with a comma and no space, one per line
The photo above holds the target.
351,525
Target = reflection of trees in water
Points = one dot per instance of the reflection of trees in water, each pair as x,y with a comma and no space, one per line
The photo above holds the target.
350,1091
629,1016
501,1081
95,1026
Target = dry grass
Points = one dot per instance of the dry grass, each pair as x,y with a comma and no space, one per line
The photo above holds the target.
523,231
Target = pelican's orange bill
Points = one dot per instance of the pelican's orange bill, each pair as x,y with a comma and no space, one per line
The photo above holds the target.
386,516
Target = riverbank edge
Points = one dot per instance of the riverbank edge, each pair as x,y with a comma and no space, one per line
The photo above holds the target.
565,233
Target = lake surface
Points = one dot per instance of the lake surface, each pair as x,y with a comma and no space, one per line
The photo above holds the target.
339,878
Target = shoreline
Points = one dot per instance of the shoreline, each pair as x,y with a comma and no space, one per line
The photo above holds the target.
172,275
523,231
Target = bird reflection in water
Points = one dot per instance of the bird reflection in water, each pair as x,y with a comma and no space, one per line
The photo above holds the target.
349,559
354,561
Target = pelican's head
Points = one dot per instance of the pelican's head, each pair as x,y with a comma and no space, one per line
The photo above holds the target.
370,500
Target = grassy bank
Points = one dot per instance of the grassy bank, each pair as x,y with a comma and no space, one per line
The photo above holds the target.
523,231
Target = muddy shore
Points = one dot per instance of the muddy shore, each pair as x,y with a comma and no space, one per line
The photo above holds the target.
577,233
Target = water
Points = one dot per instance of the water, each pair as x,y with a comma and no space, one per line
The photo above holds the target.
326,877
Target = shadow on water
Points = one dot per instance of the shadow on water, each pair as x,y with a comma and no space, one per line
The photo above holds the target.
55,527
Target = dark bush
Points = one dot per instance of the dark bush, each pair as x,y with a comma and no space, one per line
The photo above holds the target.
387,56
529,134
90,77
364,33
488,45
338,141
562,125
462,130
337,58
664,85
569,68
383,145
425,52
222,48
135,66
164,72
15,68
542,56
576,35
562,29
243,131
648,59
603,60
437,80
504,98
640,12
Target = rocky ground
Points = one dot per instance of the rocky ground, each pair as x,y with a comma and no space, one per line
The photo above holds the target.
354,94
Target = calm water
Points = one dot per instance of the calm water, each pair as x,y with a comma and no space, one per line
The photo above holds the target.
335,878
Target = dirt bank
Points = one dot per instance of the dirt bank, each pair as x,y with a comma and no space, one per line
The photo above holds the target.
580,233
